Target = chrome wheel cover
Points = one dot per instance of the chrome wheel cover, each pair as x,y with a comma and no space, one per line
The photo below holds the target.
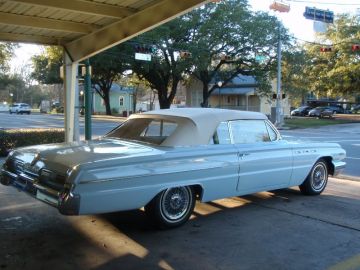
175,203
319,177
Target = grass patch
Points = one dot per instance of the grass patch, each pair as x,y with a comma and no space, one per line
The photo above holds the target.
307,122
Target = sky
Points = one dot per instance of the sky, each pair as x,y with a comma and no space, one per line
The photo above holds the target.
300,27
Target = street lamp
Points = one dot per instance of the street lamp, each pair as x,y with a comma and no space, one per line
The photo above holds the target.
219,84
11,97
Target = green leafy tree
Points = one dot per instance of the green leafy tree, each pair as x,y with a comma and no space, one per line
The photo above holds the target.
295,81
166,68
6,52
108,67
226,40
336,73
47,65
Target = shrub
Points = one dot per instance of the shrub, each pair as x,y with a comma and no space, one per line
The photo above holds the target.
13,138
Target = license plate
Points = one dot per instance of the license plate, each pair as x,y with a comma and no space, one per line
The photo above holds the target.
45,198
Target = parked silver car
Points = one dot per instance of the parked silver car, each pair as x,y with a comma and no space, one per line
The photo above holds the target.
164,160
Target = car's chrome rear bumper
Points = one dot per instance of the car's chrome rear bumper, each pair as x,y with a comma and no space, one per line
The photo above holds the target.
65,201
339,166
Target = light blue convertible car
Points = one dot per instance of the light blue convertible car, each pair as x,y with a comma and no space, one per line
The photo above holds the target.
164,160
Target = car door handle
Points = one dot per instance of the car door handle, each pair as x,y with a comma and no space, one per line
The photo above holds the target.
241,155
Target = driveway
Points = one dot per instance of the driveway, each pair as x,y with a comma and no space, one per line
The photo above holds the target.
269,230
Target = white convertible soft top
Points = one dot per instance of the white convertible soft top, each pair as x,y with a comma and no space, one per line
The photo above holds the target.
196,125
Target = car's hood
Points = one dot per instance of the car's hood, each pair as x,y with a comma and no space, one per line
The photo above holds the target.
68,155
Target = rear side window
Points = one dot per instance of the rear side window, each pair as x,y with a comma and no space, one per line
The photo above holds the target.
272,133
159,128
221,135
148,130
249,131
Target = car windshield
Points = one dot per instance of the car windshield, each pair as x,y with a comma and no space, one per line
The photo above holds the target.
148,130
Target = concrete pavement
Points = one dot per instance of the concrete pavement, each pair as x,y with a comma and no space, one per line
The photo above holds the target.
268,230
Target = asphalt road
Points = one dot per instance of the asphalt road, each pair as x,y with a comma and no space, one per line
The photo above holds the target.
347,135
280,230
99,126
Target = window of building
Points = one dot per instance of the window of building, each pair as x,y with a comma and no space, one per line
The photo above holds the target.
121,101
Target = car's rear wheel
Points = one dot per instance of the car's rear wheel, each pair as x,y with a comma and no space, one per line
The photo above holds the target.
171,207
317,179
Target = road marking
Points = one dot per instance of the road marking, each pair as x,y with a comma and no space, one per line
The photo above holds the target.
345,141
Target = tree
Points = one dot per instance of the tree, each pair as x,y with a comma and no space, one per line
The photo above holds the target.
336,73
46,70
295,81
47,65
107,67
6,52
140,87
220,55
166,68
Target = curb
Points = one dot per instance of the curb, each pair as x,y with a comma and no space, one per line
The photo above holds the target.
347,177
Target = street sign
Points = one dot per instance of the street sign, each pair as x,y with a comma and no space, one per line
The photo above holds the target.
143,56
321,15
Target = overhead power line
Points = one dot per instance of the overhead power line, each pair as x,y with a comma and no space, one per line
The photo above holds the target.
324,3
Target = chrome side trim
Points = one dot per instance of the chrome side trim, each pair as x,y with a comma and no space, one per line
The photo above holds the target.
142,175
10,174
46,190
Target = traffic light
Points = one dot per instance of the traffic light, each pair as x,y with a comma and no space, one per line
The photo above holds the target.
280,6
325,49
146,49
283,96
355,47
185,54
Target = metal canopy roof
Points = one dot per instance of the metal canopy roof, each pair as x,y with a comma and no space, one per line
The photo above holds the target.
84,27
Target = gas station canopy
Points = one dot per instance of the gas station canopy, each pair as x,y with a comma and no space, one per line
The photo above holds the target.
84,27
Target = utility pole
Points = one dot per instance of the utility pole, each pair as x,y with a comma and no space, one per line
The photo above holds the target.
279,112
88,99
280,7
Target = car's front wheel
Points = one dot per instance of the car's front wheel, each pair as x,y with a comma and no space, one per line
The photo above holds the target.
171,207
317,179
